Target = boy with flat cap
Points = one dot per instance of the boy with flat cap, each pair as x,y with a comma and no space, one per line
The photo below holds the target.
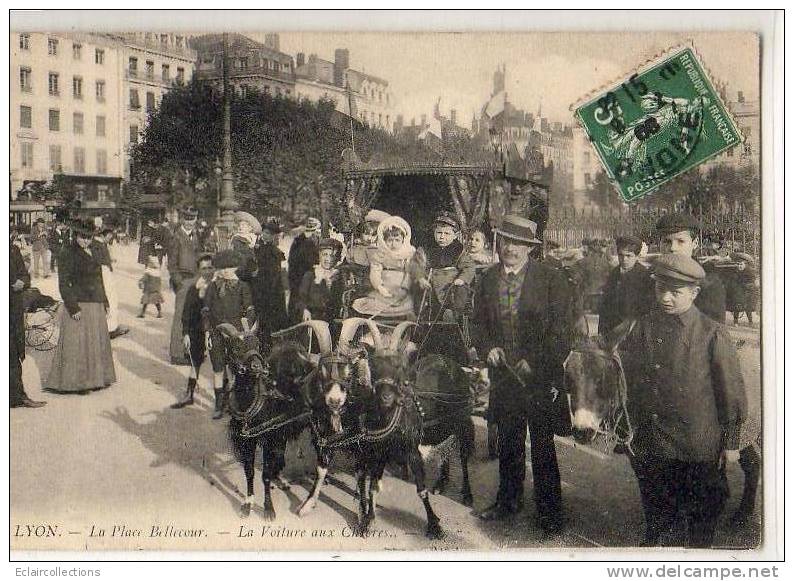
679,232
628,292
686,401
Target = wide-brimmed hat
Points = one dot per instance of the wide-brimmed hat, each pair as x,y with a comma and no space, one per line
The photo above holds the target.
241,216
272,226
518,228
83,228
375,215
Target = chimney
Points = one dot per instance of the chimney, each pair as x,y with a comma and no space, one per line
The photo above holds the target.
341,64
300,59
272,41
453,116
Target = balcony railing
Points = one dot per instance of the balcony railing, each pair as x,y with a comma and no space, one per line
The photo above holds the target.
216,73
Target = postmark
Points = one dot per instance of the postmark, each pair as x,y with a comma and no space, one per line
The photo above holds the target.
657,123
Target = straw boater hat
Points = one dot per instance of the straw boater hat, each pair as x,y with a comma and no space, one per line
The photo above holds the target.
312,225
518,228
189,213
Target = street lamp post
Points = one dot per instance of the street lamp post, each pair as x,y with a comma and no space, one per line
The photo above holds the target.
228,204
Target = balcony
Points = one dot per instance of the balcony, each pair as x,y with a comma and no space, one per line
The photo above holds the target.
260,71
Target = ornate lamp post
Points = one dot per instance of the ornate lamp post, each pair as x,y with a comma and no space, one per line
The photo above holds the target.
227,204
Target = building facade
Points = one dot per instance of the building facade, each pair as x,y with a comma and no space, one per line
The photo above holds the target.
65,103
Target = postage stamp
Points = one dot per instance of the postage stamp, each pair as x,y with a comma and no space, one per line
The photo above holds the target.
657,124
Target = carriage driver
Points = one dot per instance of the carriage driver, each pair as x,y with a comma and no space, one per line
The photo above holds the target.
686,400
522,327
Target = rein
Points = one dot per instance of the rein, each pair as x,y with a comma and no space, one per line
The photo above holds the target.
365,436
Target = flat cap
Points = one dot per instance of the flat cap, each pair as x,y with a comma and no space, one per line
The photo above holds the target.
678,269
447,218
189,213
677,222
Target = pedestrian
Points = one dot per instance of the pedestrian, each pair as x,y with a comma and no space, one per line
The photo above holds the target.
59,239
591,274
264,275
227,300
20,281
147,245
193,327
151,284
302,256
163,238
679,233
521,329
320,291
248,231
183,254
628,292
101,251
83,359
687,402
40,246
745,288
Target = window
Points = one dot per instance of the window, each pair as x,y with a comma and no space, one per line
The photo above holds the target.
244,62
77,123
149,101
77,87
79,160
150,69
55,120
166,73
52,46
163,39
180,75
101,161
102,193
25,76
55,158
133,134
100,125
25,117
27,154
179,42
77,51
53,84
133,67
99,56
24,42
100,91
134,101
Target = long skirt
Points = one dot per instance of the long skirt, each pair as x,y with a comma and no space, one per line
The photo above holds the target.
176,348
83,358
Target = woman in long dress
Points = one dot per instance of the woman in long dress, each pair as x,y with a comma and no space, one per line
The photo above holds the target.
83,359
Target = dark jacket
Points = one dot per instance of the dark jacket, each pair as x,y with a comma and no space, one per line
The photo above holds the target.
543,336
192,317
101,252
263,274
711,300
228,306
626,296
183,251
686,396
59,239
323,302
16,307
303,255
80,279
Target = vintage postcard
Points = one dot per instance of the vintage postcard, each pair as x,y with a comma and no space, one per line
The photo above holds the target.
276,291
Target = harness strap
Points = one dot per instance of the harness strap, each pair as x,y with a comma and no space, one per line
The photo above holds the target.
273,424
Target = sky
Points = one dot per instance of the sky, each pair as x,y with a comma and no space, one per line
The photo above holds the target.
546,69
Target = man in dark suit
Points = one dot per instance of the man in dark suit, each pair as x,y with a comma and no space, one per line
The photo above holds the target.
20,280
303,255
628,292
687,402
679,234
522,327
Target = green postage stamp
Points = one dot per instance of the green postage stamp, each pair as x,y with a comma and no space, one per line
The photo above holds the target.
657,124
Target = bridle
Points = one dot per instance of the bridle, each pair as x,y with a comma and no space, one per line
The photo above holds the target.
616,429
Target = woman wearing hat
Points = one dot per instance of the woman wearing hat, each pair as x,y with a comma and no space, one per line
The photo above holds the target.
303,255
320,291
83,359
522,330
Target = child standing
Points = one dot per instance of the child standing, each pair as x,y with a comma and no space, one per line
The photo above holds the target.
152,284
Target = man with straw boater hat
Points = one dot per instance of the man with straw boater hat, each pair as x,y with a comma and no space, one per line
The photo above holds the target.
521,319
687,402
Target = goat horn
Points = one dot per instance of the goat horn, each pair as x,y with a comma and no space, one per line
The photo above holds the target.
228,330
349,328
397,334
320,329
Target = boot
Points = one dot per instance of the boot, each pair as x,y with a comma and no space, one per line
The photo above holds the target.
219,399
186,399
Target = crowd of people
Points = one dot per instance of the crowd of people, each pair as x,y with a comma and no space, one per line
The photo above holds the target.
521,303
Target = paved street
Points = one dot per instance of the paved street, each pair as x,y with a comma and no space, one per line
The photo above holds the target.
122,458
